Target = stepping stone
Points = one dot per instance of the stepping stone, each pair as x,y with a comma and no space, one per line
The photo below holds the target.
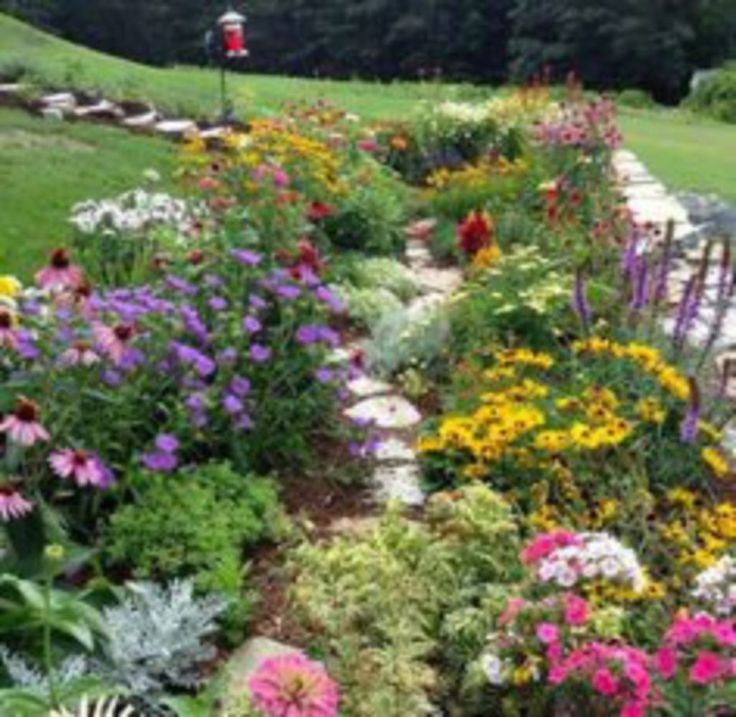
385,412
422,229
213,133
399,483
144,121
443,281
657,210
394,450
245,661
366,386
52,113
102,109
65,99
14,88
176,128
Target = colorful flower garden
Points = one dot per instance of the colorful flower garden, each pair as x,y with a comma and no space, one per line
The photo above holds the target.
187,465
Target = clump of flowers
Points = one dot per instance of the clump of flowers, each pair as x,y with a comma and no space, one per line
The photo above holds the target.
716,587
293,686
568,559
475,233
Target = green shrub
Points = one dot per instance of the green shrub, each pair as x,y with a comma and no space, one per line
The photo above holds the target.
366,307
637,99
197,524
375,273
715,96
394,608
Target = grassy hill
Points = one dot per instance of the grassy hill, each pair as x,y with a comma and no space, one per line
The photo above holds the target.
52,62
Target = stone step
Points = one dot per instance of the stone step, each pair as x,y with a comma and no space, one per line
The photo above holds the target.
176,128
101,109
400,483
60,99
143,121
387,412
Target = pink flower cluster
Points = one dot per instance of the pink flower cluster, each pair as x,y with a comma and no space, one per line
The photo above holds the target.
616,672
582,126
701,645
291,685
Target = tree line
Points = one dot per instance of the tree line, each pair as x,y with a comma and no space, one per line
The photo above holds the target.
651,44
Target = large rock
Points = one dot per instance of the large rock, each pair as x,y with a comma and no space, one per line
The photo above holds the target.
400,483
385,412
365,386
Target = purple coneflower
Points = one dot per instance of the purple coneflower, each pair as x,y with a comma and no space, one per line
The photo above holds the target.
83,467
114,340
22,425
60,273
12,504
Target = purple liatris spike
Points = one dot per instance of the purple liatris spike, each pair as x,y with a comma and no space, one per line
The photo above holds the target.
665,266
687,311
641,284
630,254
689,426
726,273
580,301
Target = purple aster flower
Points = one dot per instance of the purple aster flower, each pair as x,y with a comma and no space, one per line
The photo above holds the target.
180,285
330,337
308,334
260,354
195,402
167,443
159,461
246,257
256,302
204,365
323,375
328,297
193,323
217,303
111,377
288,292
244,422
232,404
240,386
251,325
228,356
213,281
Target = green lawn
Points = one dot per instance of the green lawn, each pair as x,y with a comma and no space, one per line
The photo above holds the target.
46,167
683,151
52,62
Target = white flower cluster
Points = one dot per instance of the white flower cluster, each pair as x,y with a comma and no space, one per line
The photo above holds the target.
595,556
133,212
494,668
716,586
465,112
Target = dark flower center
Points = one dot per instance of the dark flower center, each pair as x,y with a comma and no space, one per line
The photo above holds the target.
26,411
123,332
60,259
6,320
80,458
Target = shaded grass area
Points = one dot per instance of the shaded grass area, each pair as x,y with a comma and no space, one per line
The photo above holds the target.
685,152
51,62
46,167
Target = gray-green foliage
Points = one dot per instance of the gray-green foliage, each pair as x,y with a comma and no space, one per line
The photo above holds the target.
400,610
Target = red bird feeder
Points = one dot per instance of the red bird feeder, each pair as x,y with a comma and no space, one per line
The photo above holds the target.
232,27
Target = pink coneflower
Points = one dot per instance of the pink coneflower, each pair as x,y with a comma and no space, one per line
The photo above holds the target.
12,504
22,425
83,467
113,340
60,273
293,686
8,338
80,353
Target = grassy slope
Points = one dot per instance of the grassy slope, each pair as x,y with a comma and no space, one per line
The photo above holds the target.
55,63
47,167
685,152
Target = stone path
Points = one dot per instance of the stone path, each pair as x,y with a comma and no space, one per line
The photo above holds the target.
379,404
696,221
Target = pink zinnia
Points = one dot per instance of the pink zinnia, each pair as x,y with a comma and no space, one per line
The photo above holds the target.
547,543
22,425
548,633
576,610
707,668
293,686
83,467
605,683
60,273
665,660
12,504
113,340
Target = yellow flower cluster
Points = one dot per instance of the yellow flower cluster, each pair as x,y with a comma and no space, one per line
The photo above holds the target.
648,358
486,257
10,287
476,175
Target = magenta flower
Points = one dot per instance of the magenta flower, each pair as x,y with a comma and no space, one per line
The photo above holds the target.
22,425
60,273
293,686
665,660
708,667
548,633
12,504
83,467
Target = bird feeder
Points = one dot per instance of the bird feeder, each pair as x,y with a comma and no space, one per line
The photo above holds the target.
232,33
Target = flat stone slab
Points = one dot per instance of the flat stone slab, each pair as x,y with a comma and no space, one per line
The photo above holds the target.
443,281
175,128
366,386
394,450
52,113
60,98
141,121
11,88
657,210
104,108
385,412
245,661
399,483
213,133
